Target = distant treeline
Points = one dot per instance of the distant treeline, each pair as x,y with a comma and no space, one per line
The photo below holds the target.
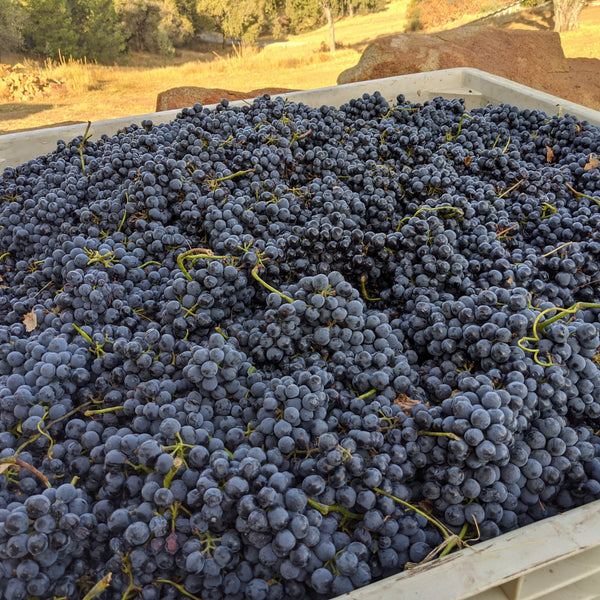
106,30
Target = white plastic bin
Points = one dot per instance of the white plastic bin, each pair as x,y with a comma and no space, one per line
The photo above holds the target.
554,559
478,88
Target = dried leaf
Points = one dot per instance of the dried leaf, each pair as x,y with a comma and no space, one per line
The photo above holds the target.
468,160
405,403
549,154
30,321
5,467
592,163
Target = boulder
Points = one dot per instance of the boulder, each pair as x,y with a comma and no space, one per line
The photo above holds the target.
509,53
180,97
531,57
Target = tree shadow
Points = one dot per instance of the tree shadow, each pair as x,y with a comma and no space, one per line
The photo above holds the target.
541,17
20,110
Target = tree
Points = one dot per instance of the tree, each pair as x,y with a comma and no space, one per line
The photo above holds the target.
327,7
153,25
244,20
13,19
101,34
308,14
567,14
49,31
173,25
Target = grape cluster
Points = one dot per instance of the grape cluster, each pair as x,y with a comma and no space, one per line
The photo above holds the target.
275,351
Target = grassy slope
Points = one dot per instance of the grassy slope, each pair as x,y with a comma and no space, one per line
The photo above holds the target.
96,93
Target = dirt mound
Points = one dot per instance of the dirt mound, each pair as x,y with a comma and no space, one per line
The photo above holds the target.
531,57
180,97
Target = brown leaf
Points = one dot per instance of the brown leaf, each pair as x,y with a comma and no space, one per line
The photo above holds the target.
549,154
5,467
30,321
405,403
592,163
468,160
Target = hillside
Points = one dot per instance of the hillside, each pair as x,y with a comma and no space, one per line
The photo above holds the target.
91,92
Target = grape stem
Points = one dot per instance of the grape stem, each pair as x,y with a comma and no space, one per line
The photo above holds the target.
581,195
454,209
270,287
325,509
102,411
55,422
557,249
196,254
511,188
99,587
16,461
452,436
454,540
86,137
562,312
179,587
445,531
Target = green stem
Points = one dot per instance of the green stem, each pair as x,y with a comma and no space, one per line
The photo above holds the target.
511,188
454,540
539,328
195,254
82,333
452,436
563,313
456,210
269,287
367,394
325,509
99,587
102,411
449,136
445,531
151,262
363,287
124,216
236,174
82,144
557,249
47,427
581,195
177,464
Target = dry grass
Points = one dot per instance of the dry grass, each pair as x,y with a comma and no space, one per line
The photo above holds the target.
93,92
585,42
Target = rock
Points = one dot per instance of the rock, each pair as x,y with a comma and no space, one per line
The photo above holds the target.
180,97
503,52
532,57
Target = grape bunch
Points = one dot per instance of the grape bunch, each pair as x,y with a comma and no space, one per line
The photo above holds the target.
275,351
